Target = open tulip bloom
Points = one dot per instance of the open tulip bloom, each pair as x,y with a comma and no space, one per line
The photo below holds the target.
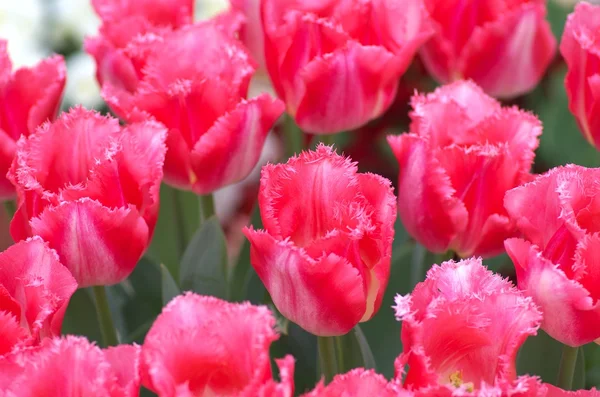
276,201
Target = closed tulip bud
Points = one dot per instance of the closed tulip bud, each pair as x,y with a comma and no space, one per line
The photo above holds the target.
89,187
463,152
325,252
215,134
204,346
462,328
557,262
581,50
35,290
28,98
336,64
504,46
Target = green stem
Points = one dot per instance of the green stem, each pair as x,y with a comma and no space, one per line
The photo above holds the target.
207,207
179,218
327,357
339,348
10,207
417,265
109,334
294,137
567,367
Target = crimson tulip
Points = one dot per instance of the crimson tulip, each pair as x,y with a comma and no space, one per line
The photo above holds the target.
87,186
28,98
557,261
35,289
71,367
462,328
204,346
581,51
215,135
336,64
324,255
504,46
463,152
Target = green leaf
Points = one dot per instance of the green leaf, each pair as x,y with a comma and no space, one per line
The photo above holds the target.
178,220
80,318
204,263
303,346
169,286
136,302
356,352
592,365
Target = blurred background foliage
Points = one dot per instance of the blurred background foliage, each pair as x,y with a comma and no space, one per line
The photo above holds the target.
37,28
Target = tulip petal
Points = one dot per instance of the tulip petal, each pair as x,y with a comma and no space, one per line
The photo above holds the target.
42,159
231,148
452,113
347,88
356,383
509,56
34,95
555,293
423,183
125,362
302,288
306,198
69,367
7,153
11,334
90,239
582,56
201,344
377,253
477,174
129,173
32,272
542,206
463,321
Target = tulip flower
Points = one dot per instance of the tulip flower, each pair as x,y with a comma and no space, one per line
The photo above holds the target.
203,346
215,134
127,21
34,293
581,50
557,261
504,46
71,367
87,186
336,64
29,97
324,255
462,327
463,152
358,383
